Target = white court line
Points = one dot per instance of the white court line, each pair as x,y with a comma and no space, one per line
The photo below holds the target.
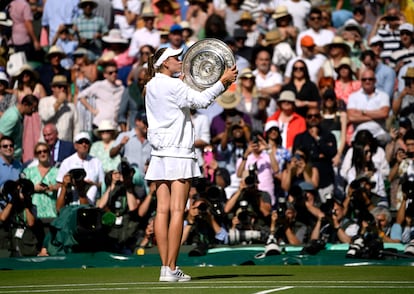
274,290
208,282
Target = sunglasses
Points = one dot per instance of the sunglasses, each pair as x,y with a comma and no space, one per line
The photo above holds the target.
45,151
315,18
301,68
408,33
83,141
5,146
317,115
112,72
368,79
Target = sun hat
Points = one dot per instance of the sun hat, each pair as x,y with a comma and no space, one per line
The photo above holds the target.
228,100
59,80
4,79
82,135
25,67
307,41
406,27
272,37
409,74
246,73
345,61
105,125
352,24
246,17
114,37
83,2
271,124
288,96
185,25
339,41
147,12
375,40
55,50
281,11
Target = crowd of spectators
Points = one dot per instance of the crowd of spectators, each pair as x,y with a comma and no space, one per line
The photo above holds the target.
313,143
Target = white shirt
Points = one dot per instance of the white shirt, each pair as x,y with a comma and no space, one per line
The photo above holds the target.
92,166
143,37
299,10
321,38
65,119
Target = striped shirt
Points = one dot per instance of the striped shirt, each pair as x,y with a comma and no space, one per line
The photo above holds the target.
88,27
391,41
406,55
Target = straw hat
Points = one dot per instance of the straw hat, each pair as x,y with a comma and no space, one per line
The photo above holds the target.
185,25
55,50
409,74
281,11
105,125
246,73
114,37
228,100
345,61
272,37
174,5
339,42
147,12
246,17
83,2
59,80
27,68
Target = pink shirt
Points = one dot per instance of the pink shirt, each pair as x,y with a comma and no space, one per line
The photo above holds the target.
20,12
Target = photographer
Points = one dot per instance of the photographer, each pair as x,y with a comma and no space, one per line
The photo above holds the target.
73,189
249,209
403,102
19,215
404,165
202,226
120,203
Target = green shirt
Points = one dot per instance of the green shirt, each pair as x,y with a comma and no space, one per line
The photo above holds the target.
11,124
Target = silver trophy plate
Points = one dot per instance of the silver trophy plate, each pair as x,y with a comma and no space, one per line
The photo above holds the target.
205,61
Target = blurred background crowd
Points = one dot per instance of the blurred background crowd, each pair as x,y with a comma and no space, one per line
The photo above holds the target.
313,144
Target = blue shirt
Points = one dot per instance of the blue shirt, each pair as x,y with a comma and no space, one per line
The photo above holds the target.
385,76
9,171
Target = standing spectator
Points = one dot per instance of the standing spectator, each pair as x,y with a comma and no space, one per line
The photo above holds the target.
289,122
406,53
306,92
27,83
147,35
107,93
59,149
10,167
11,122
126,14
321,146
403,103
55,13
6,99
369,107
310,56
82,160
133,144
100,149
90,28
299,10
23,36
320,36
43,177
53,67
57,109
385,75
232,13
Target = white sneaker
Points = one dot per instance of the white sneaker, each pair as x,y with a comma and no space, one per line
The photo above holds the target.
176,275
162,273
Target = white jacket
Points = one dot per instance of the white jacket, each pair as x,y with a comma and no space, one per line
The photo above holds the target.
168,101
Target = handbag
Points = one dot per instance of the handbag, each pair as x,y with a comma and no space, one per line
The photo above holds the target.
15,63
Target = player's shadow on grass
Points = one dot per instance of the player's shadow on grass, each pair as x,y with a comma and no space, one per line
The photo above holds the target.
210,277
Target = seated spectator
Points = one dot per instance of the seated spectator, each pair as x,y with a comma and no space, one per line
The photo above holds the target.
43,176
285,24
345,84
336,50
404,218
66,40
100,149
10,167
282,50
59,149
403,102
387,231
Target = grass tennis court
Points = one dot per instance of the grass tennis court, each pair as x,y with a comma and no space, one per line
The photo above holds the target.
221,279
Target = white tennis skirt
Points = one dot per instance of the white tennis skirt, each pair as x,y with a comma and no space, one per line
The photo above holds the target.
172,168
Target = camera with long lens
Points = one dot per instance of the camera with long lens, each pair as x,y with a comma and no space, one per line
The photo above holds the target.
216,196
77,174
126,170
244,236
